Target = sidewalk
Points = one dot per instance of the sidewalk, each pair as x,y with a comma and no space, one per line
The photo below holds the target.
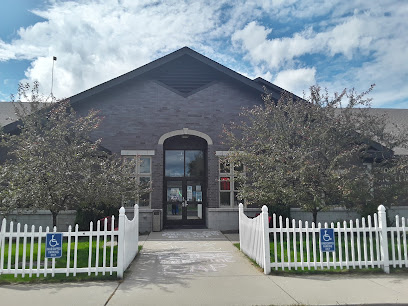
202,267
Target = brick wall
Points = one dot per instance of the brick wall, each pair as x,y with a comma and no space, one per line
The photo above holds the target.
137,113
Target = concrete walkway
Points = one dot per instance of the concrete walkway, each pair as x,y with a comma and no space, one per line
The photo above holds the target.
202,267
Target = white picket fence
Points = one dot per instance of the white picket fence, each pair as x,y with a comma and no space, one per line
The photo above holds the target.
29,258
128,241
254,240
296,245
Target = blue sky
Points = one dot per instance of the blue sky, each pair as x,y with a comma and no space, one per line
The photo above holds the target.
293,43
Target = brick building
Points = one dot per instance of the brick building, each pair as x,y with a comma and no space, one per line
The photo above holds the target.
169,115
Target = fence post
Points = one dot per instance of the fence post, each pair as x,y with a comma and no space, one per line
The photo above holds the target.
265,238
3,242
136,218
240,212
121,242
136,214
382,220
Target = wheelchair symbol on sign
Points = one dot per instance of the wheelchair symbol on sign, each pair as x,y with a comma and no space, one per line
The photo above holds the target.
326,236
53,242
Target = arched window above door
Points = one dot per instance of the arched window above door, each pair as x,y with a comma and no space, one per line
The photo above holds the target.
185,132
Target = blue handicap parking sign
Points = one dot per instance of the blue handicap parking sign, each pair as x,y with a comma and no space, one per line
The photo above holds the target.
53,245
327,240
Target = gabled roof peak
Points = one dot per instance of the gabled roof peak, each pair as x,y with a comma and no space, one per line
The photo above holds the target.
145,69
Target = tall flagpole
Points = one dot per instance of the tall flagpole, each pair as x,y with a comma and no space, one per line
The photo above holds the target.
54,58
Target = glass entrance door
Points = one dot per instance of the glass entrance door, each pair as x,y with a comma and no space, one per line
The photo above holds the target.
184,201
184,187
194,200
175,200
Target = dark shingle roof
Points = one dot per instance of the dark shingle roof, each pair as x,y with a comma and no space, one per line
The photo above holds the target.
395,119
7,113
209,67
8,116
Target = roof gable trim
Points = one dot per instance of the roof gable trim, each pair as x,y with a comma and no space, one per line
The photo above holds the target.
159,62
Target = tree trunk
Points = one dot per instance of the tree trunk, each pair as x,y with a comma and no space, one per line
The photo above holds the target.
54,218
314,212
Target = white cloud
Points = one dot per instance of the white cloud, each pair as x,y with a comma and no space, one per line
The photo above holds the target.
353,43
252,35
296,80
341,39
368,45
5,51
95,41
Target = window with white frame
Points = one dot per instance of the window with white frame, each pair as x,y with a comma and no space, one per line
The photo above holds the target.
142,175
229,185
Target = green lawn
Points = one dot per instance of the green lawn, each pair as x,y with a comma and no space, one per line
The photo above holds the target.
82,260
357,240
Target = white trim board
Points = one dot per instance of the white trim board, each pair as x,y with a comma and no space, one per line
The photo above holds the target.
136,152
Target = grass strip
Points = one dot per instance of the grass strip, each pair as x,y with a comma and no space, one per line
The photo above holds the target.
82,262
326,271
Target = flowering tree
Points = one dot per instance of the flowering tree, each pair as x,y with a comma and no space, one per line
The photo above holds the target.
53,165
310,152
